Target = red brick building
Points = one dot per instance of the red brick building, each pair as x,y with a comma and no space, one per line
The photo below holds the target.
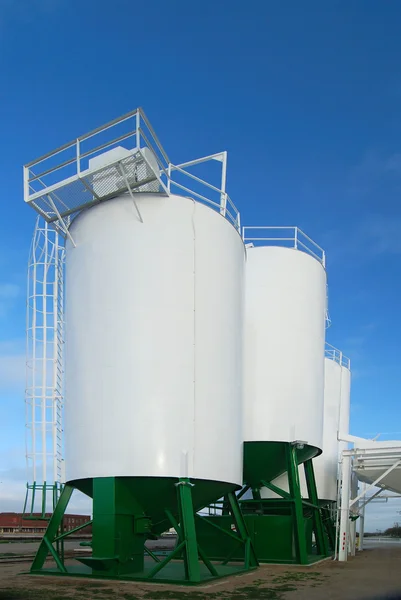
13,523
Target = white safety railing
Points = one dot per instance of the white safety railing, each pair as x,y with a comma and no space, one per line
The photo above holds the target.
335,354
287,237
68,180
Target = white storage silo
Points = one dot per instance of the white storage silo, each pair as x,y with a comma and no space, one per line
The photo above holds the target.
336,421
285,308
326,465
285,318
153,360
154,285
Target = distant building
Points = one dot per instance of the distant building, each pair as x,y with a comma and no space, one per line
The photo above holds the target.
13,523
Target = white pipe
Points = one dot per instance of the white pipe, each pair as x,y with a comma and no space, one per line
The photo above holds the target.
344,509
362,522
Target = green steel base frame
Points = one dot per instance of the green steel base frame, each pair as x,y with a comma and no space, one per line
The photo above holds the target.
305,515
121,527
281,529
38,493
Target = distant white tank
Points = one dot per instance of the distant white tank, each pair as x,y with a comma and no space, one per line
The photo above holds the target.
336,420
326,465
345,407
154,341
284,346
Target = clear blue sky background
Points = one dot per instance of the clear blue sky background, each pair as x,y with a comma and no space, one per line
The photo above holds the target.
306,98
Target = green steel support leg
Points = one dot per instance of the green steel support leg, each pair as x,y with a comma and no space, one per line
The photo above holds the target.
187,524
162,564
207,562
63,535
152,555
33,497
60,544
52,529
240,525
220,529
297,509
44,494
175,524
202,554
26,500
243,491
321,541
275,489
329,526
57,559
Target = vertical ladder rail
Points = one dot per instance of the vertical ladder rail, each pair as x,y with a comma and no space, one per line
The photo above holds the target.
44,371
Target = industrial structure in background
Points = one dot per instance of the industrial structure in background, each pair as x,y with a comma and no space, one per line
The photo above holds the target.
184,408
17,526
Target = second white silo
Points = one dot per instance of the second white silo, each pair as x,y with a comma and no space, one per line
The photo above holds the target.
285,318
326,465
285,310
337,376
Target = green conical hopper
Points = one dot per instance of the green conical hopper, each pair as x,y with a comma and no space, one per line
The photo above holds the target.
268,460
154,495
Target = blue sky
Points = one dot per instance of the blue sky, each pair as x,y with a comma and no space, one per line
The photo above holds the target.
306,98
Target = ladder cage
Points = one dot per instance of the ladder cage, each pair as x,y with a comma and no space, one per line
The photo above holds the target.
44,370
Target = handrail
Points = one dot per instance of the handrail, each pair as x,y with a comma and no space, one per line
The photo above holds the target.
64,182
335,354
295,238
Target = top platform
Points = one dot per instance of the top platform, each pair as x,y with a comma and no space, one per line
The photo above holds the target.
123,156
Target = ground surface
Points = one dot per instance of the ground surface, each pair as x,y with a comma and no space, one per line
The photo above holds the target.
372,574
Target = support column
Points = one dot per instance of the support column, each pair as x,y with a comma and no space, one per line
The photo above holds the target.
344,507
321,541
353,514
188,531
362,521
297,507
46,544
250,559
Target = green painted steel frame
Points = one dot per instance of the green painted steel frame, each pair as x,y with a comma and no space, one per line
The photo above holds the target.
329,525
187,548
50,536
297,509
321,540
43,488
297,505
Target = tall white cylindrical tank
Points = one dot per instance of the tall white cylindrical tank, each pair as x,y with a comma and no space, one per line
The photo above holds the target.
326,465
345,407
285,310
336,421
154,313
